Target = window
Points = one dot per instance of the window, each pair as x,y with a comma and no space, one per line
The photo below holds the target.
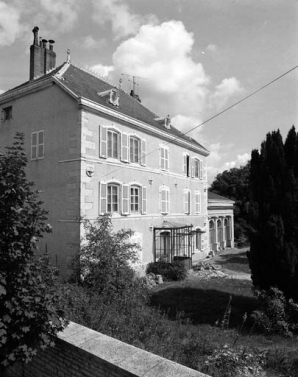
37,145
113,144
134,149
164,158
186,201
186,164
134,199
113,198
164,200
197,202
7,113
197,168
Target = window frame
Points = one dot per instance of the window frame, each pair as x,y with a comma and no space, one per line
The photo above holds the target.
37,146
110,133
7,113
117,186
135,160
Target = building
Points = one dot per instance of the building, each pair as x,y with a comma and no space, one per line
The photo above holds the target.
221,222
94,149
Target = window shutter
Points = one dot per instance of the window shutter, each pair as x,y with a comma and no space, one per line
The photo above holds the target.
162,156
124,147
103,198
163,201
184,165
2,115
198,202
103,142
33,146
187,202
201,169
166,159
168,201
144,200
192,167
144,152
125,199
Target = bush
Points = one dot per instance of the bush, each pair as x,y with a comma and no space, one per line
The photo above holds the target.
277,314
169,271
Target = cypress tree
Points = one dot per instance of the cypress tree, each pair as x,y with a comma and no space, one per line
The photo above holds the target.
273,256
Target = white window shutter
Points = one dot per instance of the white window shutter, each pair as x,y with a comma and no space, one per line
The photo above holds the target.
143,152
124,147
125,199
103,142
199,202
168,201
201,169
166,159
103,198
188,202
144,200
184,164
161,160
192,167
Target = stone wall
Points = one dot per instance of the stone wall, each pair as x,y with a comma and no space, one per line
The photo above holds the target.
81,352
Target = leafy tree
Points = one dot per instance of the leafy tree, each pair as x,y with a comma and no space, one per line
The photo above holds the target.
234,184
105,259
28,299
273,256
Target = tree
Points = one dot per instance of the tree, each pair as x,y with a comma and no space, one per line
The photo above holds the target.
28,298
234,184
105,258
273,256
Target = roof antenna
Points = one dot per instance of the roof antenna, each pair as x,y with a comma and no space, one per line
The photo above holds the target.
134,84
120,83
68,55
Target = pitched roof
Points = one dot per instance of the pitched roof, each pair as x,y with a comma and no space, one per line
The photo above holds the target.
213,196
86,85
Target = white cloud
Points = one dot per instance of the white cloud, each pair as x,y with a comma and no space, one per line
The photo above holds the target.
89,43
124,21
175,84
10,27
224,91
103,70
211,48
60,13
241,160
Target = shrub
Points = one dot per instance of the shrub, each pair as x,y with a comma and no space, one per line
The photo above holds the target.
277,315
169,271
229,362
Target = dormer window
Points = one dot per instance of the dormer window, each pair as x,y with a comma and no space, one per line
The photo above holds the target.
164,121
7,113
112,96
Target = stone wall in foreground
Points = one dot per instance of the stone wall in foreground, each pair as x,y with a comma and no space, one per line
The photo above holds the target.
81,352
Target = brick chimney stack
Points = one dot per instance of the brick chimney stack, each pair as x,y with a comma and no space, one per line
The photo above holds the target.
41,58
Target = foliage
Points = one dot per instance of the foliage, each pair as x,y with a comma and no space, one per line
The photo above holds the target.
234,184
227,361
277,314
28,298
104,262
273,256
169,271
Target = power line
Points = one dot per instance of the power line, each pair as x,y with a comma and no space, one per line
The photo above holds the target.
218,114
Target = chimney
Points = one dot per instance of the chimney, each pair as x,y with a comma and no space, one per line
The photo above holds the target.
41,58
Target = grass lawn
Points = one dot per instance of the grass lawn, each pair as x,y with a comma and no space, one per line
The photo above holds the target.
204,303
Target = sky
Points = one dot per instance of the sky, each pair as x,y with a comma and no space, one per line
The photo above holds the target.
192,59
